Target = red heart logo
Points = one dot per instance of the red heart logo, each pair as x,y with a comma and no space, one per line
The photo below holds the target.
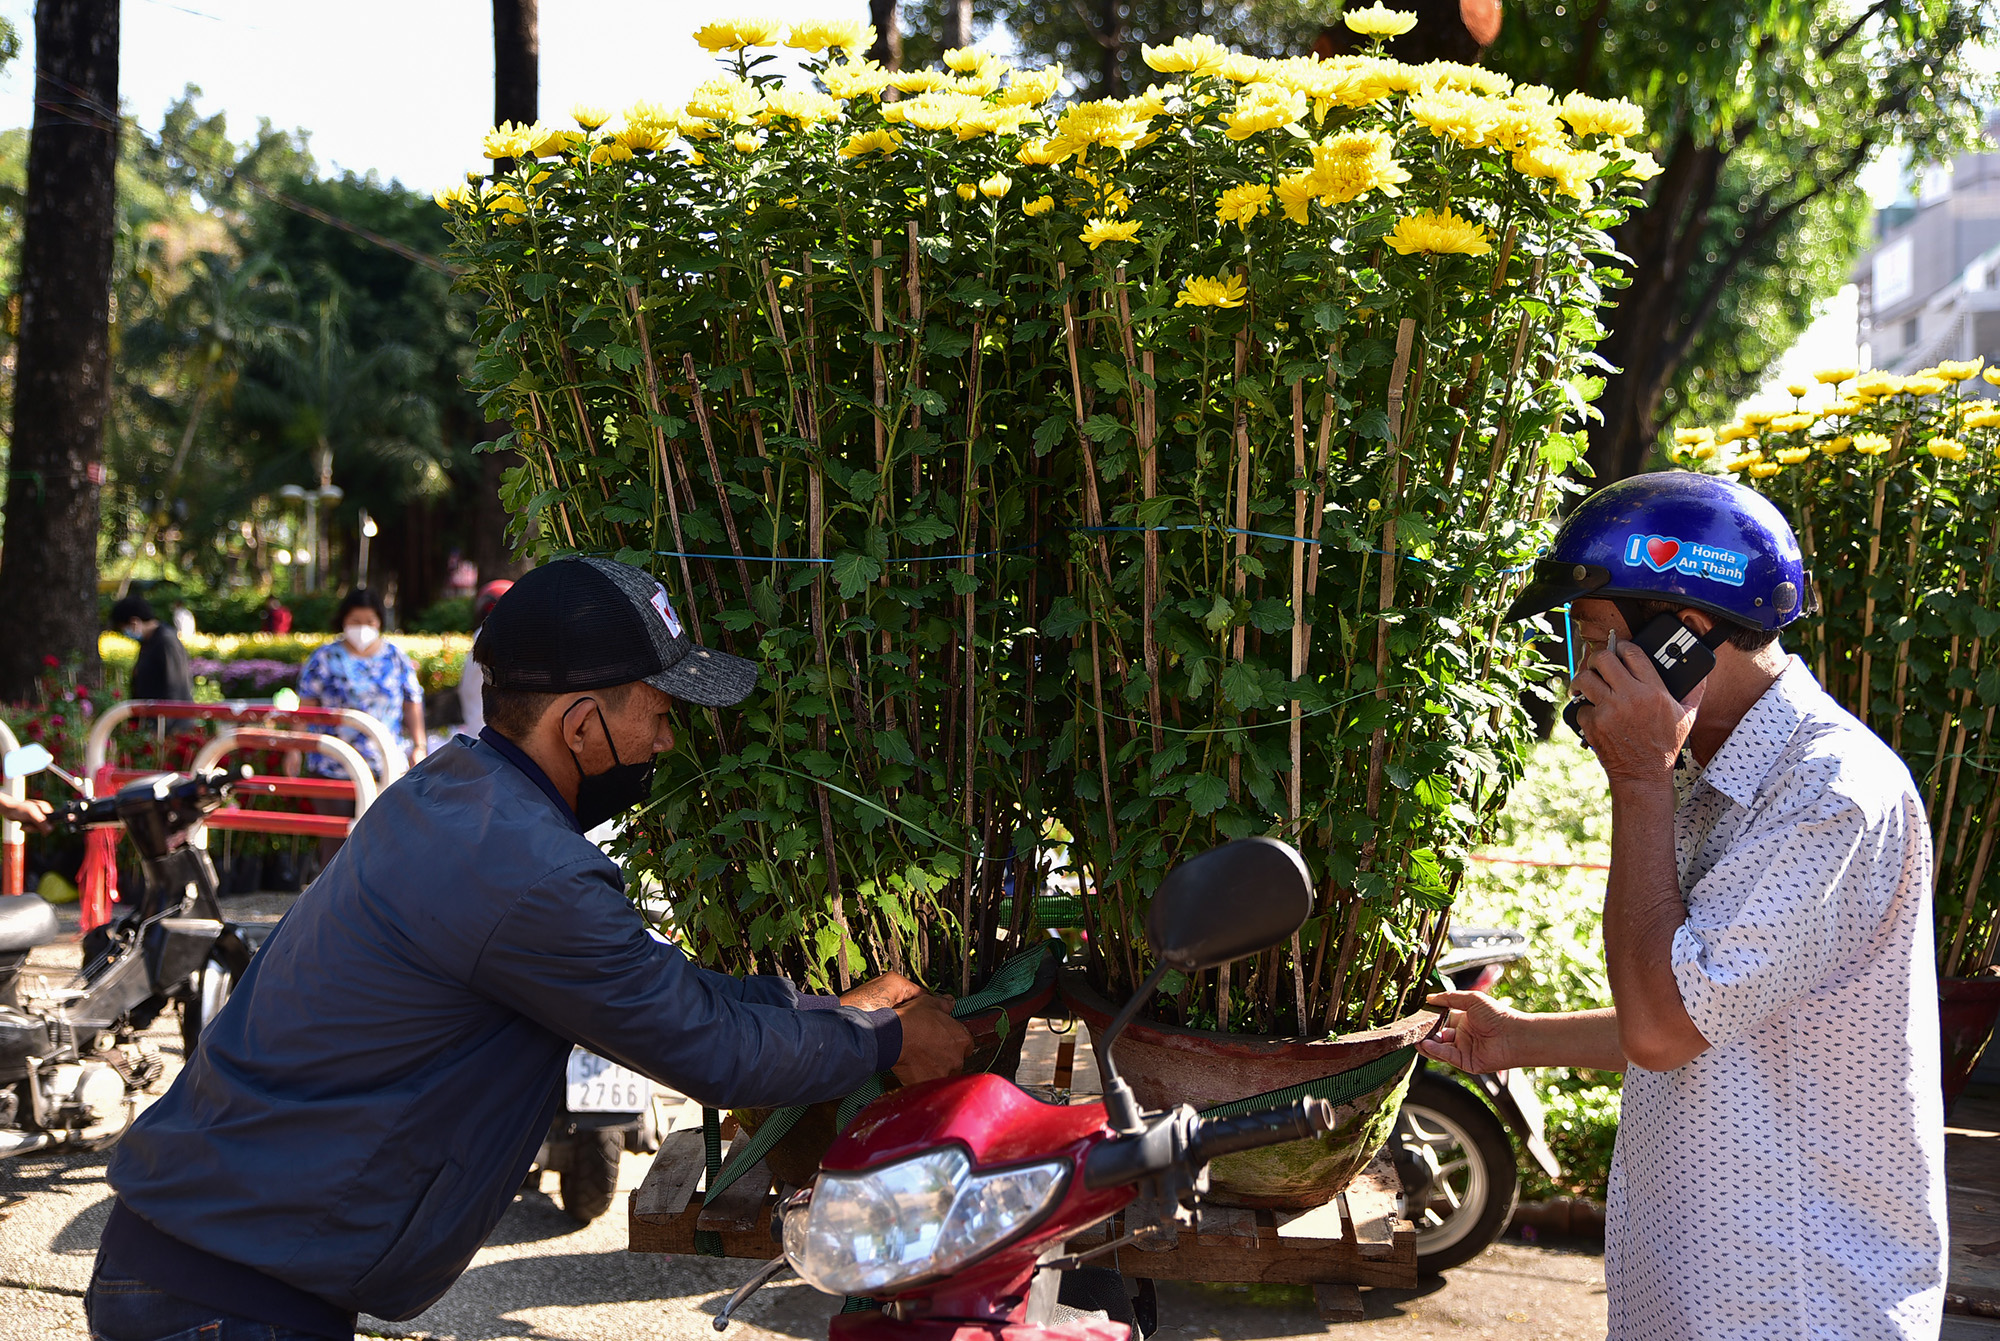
1660,551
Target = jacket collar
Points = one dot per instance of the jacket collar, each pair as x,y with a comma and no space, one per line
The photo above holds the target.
518,757
1739,768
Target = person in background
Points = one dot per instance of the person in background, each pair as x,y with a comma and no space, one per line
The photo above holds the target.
363,671
161,670
277,618
183,620
470,681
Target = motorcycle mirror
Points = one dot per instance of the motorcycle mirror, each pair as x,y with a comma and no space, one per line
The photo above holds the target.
26,761
1231,901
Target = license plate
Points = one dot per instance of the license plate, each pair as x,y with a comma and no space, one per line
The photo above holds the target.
597,1086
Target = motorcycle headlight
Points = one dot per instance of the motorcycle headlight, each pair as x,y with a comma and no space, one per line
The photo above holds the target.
865,1232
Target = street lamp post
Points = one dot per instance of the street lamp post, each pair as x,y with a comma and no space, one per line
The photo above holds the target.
327,493
368,532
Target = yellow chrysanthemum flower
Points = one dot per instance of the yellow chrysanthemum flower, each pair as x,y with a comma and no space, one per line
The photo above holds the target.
1379,21
1039,154
1945,449
1798,390
589,117
1572,170
1792,456
999,184
1991,376
802,107
1039,206
1703,451
726,99
919,81
1349,166
453,197
1447,113
1983,418
1793,423
1759,418
1296,192
736,34
884,142
1464,78
855,79
1110,124
644,136
1602,116
1764,470
1032,88
1923,386
1100,231
1222,291
1835,376
1955,371
967,191
1264,107
1835,446
610,151
1197,55
509,139
965,60
1878,384
1872,444
819,34
1644,168
1840,409
1439,233
1687,437
1240,205
746,143
1734,433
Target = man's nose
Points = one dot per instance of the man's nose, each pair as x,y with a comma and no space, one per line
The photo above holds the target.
664,740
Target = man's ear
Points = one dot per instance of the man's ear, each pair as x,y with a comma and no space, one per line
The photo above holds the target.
1698,620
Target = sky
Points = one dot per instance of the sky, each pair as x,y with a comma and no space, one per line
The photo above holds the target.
404,88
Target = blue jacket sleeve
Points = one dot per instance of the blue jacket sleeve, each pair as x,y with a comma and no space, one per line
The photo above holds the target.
573,955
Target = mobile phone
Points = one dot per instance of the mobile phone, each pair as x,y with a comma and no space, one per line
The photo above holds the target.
1684,659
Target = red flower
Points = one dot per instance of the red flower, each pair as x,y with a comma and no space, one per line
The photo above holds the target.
55,721
52,660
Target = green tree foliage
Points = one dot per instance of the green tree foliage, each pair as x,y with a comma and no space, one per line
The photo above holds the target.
1761,116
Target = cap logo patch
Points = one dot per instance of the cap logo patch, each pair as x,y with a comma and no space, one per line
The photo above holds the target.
1668,554
665,611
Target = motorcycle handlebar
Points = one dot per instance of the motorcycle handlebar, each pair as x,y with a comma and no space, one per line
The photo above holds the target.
1297,1121
212,784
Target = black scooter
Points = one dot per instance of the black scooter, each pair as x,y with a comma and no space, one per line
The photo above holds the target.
70,1056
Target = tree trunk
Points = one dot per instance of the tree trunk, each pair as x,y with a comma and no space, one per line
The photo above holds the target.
1111,38
517,78
957,24
888,48
48,569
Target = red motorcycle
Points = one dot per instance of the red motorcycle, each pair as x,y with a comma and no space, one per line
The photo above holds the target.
947,1204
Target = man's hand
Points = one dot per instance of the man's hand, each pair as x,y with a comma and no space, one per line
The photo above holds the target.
934,1044
885,993
1480,1035
1634,726
34,814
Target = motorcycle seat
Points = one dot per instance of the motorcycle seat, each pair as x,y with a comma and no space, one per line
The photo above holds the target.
26,920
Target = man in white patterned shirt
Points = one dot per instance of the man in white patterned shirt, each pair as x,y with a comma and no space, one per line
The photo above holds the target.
1779,1170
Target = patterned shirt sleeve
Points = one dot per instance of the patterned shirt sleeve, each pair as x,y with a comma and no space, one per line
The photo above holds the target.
1778,914
313,677
412,683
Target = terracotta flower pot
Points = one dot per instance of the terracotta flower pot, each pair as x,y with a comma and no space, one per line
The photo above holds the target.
1967,1008
1167,1065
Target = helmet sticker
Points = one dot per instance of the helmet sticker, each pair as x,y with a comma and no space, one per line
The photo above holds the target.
665,611
1667,554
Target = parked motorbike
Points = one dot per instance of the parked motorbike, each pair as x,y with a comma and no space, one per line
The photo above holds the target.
1450,1145
606,1111
71,1058
949,1202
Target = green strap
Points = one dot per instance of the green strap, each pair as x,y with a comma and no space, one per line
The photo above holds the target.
1335,1089
1014,978
707,1242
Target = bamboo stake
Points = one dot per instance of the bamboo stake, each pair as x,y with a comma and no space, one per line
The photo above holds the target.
666,468
715,472
555,476
1242,443
1912,586
1386,600
1093,507
1972,889
1298,660
1149,483
1864,695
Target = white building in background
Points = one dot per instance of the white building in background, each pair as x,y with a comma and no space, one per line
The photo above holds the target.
1930,287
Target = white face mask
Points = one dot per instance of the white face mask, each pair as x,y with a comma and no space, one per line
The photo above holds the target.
361,637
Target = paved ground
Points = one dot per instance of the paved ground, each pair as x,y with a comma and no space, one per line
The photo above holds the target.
542,1278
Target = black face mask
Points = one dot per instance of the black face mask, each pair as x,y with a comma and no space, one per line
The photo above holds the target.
599,796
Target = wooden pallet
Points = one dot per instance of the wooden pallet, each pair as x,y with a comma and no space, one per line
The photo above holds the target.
1353,1240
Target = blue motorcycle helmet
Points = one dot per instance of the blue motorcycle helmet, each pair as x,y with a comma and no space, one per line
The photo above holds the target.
1694,540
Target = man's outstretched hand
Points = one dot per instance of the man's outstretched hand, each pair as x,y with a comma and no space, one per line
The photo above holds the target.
886,993
934,1044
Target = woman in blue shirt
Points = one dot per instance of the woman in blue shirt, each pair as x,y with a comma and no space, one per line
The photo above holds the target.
364,671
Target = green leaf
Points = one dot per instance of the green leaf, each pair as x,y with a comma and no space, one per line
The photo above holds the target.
534,286
1221,614
1048,433
852,572
1206,793
1110,378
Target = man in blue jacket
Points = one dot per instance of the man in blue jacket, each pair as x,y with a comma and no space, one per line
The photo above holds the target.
359,1116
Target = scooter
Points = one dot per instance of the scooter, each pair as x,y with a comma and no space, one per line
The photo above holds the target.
1450,1145
607,1110
947,1204
71,1058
